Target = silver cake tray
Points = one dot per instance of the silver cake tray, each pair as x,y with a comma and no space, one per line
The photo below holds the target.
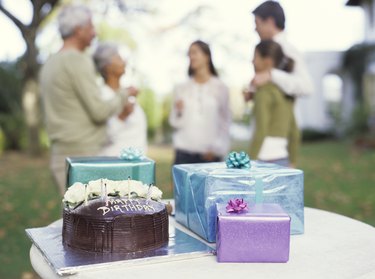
66,261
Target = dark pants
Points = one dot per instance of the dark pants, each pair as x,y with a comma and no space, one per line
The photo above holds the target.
183,157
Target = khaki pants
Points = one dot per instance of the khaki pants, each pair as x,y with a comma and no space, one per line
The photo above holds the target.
58,167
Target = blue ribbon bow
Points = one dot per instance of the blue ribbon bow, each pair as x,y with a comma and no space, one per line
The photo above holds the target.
238,160
131,154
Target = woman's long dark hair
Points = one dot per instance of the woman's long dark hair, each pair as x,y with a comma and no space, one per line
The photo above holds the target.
269,48
206,50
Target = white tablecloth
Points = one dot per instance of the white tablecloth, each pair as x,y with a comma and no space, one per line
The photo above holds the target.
333,246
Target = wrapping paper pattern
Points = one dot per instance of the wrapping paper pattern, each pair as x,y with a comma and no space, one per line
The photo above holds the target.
199,187
84,169
261,234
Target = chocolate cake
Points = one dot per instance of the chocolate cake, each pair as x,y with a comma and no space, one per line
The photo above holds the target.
116,225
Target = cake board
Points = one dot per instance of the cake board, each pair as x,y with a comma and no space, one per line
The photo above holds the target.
66,261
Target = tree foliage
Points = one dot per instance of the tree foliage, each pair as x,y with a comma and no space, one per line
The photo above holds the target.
356,61
41,9
29,65
147,100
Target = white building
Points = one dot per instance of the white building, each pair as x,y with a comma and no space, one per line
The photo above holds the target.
335,96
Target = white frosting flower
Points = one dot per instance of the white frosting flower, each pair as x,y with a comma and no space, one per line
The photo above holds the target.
75,193
122,188
141,189
135,187
155,193
95,186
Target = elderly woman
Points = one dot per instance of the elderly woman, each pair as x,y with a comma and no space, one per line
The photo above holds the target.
129,128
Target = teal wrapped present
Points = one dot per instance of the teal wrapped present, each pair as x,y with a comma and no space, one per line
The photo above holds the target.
84,169
198,188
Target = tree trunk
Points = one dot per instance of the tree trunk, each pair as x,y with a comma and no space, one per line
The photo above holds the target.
31,109
30,96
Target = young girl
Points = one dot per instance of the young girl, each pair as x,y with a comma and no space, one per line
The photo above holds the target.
276,134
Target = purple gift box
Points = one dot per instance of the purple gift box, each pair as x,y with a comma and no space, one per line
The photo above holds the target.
259,234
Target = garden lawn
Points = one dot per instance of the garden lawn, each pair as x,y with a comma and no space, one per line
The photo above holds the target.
338,178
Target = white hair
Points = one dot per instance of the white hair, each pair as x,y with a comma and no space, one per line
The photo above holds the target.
71,17
103,55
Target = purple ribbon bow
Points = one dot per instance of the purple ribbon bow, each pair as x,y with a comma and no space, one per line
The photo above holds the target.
236,206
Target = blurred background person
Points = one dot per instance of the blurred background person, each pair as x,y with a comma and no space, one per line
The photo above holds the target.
129,128
273,110
75,114
270,25
200,113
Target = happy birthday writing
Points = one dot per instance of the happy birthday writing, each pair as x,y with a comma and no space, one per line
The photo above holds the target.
125,205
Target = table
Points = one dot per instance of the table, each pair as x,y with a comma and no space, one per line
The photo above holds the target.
333,246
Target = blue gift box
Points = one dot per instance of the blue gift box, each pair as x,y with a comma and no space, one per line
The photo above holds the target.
199,187
84,169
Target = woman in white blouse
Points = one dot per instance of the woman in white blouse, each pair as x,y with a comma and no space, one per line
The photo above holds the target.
129,129
200,112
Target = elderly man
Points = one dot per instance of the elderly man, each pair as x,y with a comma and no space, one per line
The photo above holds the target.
75,113
270,24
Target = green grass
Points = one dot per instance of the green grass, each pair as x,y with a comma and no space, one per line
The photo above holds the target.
338,178
28,198
163,155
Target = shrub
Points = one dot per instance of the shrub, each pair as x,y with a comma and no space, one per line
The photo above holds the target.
165,126
11,115
315,135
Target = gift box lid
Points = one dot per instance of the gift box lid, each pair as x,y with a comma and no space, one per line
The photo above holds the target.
96,161
255,210
85,169
221,169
